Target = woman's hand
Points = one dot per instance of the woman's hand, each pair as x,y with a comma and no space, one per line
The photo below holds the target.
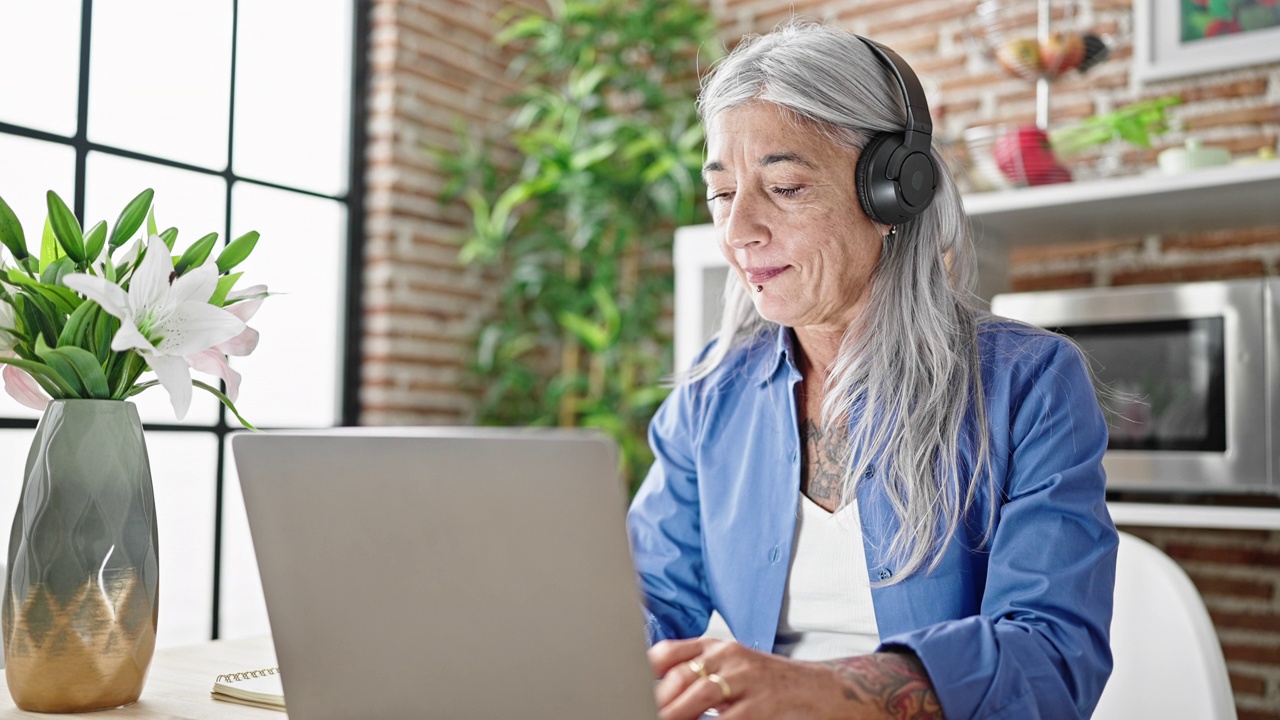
700,674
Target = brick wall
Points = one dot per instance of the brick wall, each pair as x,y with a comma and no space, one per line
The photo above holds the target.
1237,574
432,62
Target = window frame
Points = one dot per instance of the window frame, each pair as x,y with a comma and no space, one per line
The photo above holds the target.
353,200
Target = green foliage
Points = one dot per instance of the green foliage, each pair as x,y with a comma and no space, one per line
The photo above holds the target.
610,156
1134,123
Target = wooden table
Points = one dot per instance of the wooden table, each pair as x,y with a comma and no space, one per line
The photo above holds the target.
179,681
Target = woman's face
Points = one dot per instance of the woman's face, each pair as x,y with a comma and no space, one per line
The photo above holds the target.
787,216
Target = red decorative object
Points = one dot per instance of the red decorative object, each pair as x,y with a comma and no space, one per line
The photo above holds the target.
1026,158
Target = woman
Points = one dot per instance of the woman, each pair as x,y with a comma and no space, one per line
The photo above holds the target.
895,502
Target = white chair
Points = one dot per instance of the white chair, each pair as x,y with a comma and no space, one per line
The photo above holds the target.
1168,662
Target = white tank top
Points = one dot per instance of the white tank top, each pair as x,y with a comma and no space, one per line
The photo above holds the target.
826,610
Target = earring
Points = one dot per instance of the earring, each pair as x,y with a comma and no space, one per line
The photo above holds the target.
893,233
759,288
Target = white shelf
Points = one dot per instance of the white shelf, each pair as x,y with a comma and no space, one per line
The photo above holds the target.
1231,196
1194,516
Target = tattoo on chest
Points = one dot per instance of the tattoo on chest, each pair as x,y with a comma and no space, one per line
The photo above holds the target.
822,456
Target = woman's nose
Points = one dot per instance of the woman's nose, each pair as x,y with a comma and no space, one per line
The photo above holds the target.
746,223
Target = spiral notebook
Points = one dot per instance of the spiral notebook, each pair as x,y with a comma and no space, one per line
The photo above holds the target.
259,688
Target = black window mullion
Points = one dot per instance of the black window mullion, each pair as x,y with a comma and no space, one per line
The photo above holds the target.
81,139
349,412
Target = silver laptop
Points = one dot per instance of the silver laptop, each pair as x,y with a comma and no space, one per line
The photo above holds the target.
446,573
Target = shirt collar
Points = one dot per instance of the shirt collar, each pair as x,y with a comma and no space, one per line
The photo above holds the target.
783,355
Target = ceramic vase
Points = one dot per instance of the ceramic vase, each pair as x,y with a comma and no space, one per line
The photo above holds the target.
80,602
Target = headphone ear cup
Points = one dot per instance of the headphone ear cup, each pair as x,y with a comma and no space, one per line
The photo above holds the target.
870,172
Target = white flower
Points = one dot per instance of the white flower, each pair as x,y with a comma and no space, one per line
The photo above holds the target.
163,318
213,361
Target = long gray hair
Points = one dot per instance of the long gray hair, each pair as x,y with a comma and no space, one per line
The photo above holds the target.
911,359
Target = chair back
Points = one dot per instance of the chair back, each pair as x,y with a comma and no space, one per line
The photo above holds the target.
1168,662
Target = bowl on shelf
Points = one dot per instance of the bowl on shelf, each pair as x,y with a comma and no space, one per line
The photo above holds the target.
1004,156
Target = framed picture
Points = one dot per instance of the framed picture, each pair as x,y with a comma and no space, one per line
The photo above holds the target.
1174,38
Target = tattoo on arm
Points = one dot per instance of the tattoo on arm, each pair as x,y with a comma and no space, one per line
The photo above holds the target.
894,682
821,464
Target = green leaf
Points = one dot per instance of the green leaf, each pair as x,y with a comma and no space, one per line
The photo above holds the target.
94,241
50,250
104,330
80,322
151,222
609,310
11,232
225,283
169,236
225,401
648,397
49,379
65,227
57,270
196,254
36,312
236,251
83,365
131,218
592,335
586,158
62,366
528,26
580,86
64,300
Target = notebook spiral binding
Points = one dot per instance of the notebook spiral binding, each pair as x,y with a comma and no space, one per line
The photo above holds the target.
237,677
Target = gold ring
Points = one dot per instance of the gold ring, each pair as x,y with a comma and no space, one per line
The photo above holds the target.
724,684
698,668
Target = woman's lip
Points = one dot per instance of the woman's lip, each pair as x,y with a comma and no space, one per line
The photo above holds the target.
762,274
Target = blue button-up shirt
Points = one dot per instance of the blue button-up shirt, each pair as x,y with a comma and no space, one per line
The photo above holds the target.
1016,628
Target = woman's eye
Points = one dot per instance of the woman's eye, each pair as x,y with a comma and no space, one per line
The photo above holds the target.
787,191
711,198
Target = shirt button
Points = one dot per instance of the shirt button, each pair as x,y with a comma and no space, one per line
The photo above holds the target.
884,574
775,554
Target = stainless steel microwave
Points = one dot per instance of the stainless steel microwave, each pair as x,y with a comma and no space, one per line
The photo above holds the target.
1196,367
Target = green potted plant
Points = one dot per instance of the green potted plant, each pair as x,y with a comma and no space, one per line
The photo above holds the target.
581,225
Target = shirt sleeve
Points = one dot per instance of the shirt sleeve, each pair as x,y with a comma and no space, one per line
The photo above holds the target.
664,527
1040,646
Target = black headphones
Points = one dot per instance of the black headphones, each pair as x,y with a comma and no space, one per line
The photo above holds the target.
896,176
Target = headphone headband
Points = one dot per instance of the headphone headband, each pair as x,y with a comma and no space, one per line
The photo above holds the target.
896,175
918,120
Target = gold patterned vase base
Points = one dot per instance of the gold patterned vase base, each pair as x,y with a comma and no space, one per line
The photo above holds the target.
89,653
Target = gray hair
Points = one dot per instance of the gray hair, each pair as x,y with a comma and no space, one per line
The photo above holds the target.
911,360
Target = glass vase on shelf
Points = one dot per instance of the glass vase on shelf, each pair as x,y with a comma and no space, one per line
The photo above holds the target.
81,326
